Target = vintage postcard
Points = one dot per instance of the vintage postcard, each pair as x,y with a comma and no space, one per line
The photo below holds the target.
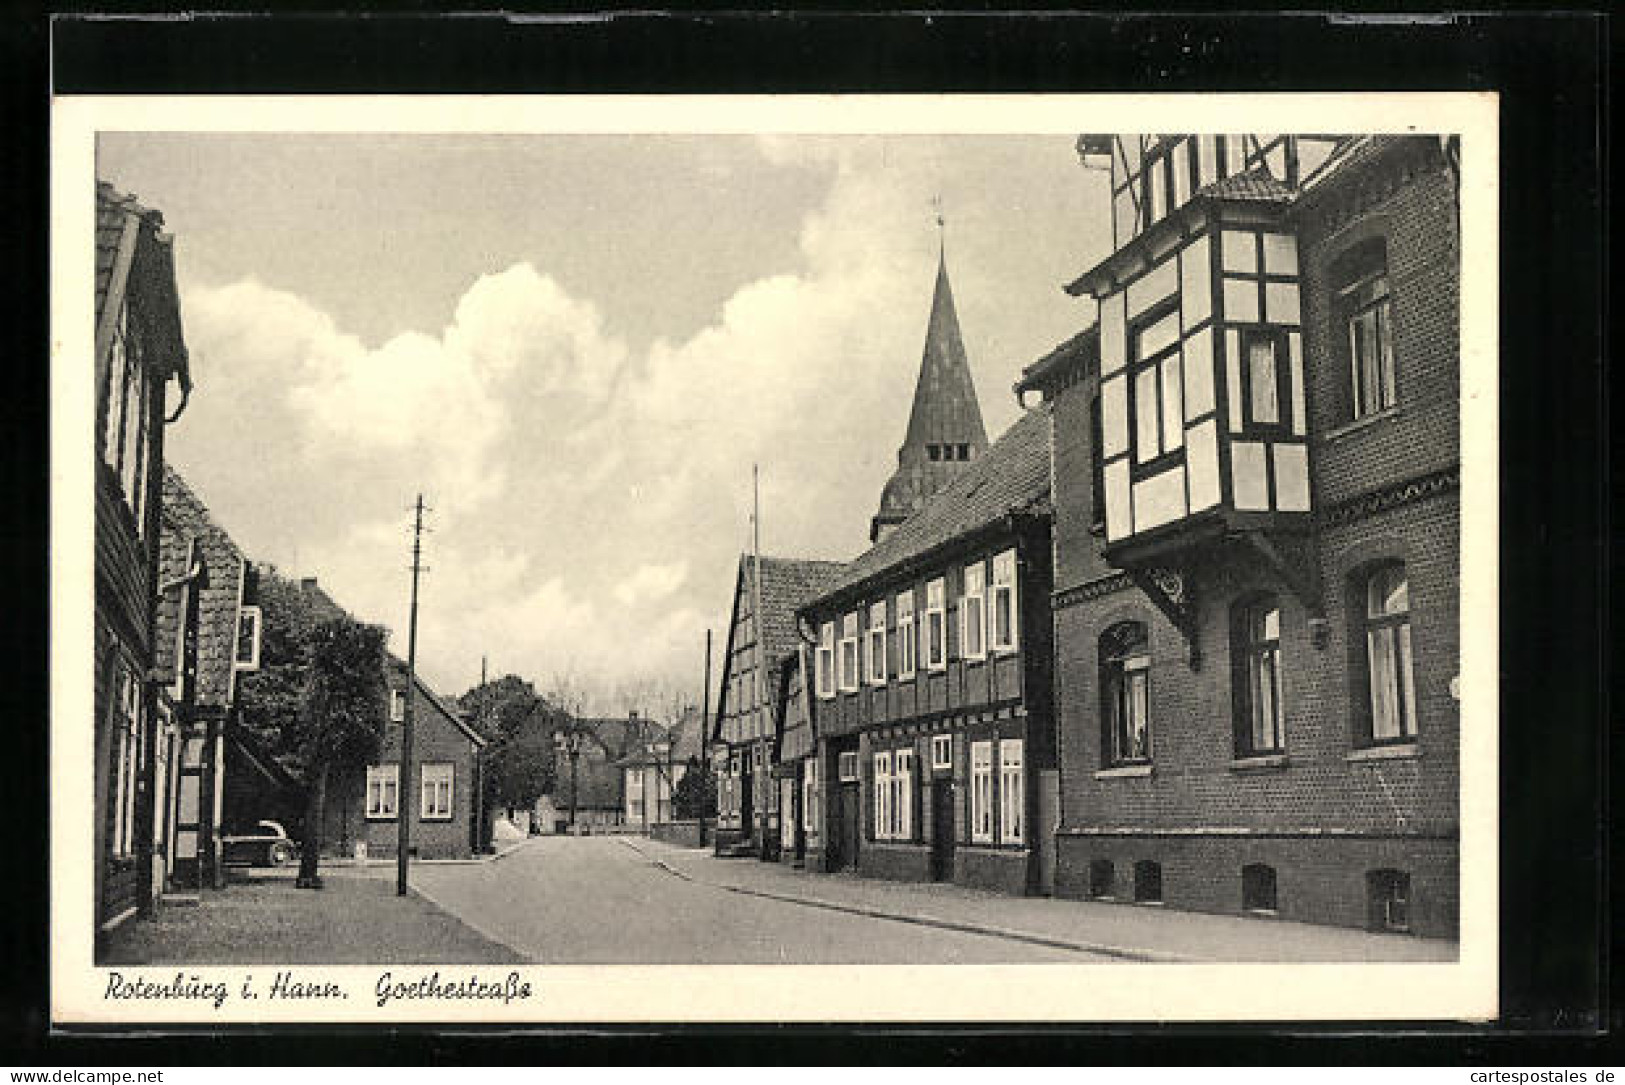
851,558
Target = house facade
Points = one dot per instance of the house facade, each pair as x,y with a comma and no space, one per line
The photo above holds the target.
442,798
652,768
762,633
1256,533
139,349
208,634
931,685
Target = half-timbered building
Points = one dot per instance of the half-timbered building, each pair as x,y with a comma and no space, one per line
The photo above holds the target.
931,684
745,732
139,350
1256,532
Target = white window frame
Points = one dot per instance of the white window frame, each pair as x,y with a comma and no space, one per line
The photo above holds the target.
981,792
903,803
973,613
875,643
846,766
397,706
1012,791
383,792
882,796
908,640
849,659
811,807
436,790
826,661
942,751
251,618
1004,585
936,625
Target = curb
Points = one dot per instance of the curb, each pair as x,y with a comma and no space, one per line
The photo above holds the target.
1006,933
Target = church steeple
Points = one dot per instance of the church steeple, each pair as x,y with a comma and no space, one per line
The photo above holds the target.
945,430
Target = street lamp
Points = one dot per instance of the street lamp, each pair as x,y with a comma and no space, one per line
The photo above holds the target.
568,741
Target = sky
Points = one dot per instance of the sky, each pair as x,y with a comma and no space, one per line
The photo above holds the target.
576,347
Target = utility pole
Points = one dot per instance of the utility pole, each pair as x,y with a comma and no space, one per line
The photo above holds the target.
705,732
763,720
404,789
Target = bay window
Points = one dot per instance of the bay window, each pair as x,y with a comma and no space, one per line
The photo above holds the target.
1157,386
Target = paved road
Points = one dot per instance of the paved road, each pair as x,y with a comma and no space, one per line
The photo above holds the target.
593,900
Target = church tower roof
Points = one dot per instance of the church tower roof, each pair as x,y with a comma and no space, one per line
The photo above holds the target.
945,429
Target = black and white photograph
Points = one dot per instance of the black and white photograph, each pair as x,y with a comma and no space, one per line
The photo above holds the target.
529,562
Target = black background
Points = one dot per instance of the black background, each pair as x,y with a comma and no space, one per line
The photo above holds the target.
1556,594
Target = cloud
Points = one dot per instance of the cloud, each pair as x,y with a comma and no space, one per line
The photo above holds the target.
590,504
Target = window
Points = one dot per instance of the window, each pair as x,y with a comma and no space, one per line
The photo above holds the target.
1262,352
846,766
128,735
973,613
1159,404
382,785
811,804
981,792
1390,688
942,751
247,657
877,644
1004,602
397,706
849,652
1012,792
907,635
1258,888
124,436
1125,667
934,452
1148,882
903,794
1097,469
883,795
936,626
964,452
1102,876
437,792
1366,309
1388,898
825,664
1257,640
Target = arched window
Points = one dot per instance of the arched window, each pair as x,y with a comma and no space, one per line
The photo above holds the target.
1258,887
1102,876
1364,314
1148,882
1390,702
1125,665
1388,899
1256,655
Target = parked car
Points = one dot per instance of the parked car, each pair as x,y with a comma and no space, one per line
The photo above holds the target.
267,845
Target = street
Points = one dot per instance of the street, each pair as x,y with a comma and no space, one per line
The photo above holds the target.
596,900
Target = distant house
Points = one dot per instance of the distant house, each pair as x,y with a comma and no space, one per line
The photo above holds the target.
589,792
657,761
208,632
442,799
139,348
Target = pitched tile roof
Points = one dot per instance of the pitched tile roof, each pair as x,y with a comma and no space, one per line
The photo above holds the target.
133,252
1082,349
787,584
188,530
1012,477
1257,185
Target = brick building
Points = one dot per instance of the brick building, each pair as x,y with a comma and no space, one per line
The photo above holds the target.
444,798
139,349
1256,533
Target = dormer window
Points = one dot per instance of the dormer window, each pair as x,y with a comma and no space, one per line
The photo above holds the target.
247,655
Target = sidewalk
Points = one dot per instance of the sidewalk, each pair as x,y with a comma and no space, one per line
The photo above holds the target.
1127,931
265,920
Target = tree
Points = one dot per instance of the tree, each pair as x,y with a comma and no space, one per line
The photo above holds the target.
319,694
341,722
519,724
695,795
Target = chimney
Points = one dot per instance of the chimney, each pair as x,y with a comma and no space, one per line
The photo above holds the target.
307,583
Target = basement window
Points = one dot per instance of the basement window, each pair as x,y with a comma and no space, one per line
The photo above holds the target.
1258,888
1388,897
1147,882
1102,875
